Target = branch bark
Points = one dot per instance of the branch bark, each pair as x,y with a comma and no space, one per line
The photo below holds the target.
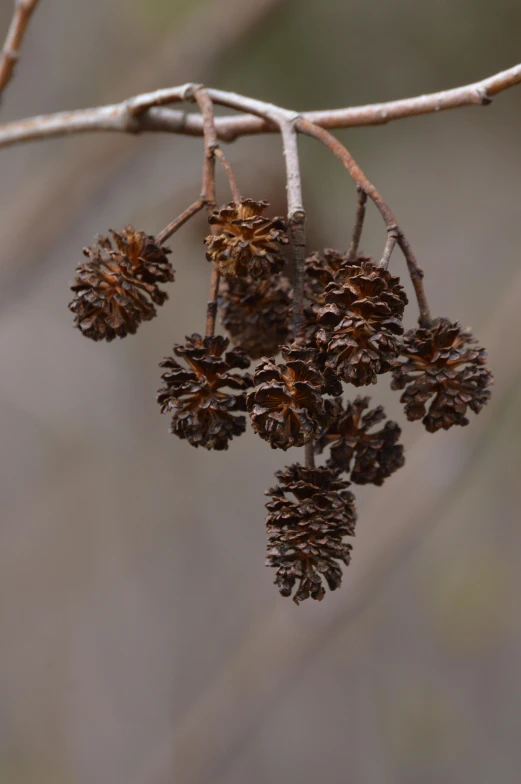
119,117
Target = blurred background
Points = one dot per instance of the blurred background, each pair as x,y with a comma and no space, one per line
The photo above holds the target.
142,639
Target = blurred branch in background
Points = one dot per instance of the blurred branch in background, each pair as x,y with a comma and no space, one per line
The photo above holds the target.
23,10
279,648
123,117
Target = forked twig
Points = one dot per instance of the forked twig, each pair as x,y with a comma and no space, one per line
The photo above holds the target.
393,229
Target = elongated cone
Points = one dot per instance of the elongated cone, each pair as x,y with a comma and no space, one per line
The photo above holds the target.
306,532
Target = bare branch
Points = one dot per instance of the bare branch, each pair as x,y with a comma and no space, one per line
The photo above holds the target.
124,117
23,10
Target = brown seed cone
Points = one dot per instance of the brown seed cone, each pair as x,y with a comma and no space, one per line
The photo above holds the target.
248,243
369,457
320,270
305,534
204,414
360,322
445,363
117,288
257,314
286,407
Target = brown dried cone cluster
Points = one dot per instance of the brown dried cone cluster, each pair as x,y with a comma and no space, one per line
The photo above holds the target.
361,322
117,288
287,407
443,364
257,313
370,457
305,532
247,242
353,332
203,412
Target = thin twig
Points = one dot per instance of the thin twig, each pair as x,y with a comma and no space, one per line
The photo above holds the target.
236,194
115,117
343,154
416,275
296,224
205,105
392,239
359,224
23,10
181,219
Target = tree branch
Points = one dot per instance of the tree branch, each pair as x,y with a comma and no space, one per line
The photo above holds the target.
23,10
122,116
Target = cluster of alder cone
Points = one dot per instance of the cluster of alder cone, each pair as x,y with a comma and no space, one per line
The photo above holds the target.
353,332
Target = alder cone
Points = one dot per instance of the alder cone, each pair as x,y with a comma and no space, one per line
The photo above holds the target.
286,407
203,412
117,288
248,242
361,321
257,314
442,364
369,457
305,532
320,269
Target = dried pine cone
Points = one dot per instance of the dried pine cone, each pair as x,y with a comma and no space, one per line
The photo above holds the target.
116,289
287,408
370,457
247,242
305,535
257,314
319,271
442,362
360,322
204,414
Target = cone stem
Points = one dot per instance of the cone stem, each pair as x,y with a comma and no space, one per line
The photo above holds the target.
236,194
359,224
181,219
310,454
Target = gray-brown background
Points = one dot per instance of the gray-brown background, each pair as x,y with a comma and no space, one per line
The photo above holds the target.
142,640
